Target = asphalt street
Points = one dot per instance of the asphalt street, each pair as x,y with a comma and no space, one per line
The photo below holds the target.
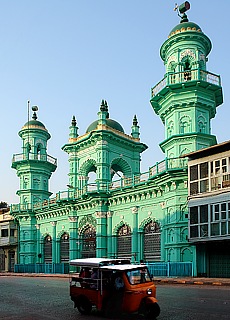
43,298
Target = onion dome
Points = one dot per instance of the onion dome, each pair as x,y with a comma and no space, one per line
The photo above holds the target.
106,120
184,27
109,122
34,123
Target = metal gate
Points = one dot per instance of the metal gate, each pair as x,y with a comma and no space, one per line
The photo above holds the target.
152,242
124,242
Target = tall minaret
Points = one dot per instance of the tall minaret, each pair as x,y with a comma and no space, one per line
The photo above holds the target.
34,166
187,97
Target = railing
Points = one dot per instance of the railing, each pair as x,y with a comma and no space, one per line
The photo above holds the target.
185,76
6,241
34,156
171,269
159,168
61,268
162,269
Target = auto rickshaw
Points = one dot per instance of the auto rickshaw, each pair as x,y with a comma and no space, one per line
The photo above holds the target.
113,286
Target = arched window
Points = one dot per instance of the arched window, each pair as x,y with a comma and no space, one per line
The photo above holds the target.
152,242
89,243
187,71
48,249
124,247
64,248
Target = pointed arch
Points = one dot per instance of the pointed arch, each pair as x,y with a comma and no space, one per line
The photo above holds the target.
119,164
88,171
172,71
88,241
88,166
202,124
186,255
170,128
185,124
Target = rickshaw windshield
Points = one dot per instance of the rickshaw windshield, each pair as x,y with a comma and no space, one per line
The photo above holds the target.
138,276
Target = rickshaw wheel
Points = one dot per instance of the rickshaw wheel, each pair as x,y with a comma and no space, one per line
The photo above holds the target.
151,311
83,305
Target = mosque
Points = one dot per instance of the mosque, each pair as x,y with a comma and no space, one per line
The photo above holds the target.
121,212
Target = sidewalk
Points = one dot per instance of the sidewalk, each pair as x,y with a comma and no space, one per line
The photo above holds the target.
157,280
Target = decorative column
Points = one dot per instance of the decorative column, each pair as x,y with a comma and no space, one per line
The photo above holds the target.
110,251
101,217
38,257
54,247
135,253
74,244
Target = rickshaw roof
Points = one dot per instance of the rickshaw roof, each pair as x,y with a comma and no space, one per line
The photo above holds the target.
98,262
123,267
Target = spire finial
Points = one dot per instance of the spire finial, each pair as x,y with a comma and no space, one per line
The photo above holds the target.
74,122
102,107
135,122
107,109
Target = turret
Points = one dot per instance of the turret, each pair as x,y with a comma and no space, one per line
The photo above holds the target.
187,97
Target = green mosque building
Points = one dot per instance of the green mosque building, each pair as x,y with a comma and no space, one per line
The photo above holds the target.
111,208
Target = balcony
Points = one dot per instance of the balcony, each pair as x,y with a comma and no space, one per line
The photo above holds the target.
186,76
32,156
164,166
7,241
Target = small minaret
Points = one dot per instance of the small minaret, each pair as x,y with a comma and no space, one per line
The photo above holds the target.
34,166
73,129
135,128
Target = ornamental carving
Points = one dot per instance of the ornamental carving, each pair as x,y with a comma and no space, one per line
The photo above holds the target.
100,214
109,214
171,58
87,220
72,219
134,210
188,52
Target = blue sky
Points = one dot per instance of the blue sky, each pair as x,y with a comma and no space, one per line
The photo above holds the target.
67,55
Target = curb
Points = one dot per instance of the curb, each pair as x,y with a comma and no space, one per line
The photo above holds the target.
161,281
207,281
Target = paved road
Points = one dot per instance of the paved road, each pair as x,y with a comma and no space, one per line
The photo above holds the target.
48,298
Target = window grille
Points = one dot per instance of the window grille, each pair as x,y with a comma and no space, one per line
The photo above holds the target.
89,243
48,249
124,240
152,242
64,248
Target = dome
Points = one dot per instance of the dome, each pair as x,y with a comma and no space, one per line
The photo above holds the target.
185,26
109,122
34,123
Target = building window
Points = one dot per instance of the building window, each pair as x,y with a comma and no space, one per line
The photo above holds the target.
152,242
207,221
89,243
124,247
64,248
209,176
4,233
48,249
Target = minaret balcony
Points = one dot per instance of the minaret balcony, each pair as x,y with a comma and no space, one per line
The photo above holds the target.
184,77
32,156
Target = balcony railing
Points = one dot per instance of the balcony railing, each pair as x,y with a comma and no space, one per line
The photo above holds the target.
6,241
34,156
185,76
159,168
